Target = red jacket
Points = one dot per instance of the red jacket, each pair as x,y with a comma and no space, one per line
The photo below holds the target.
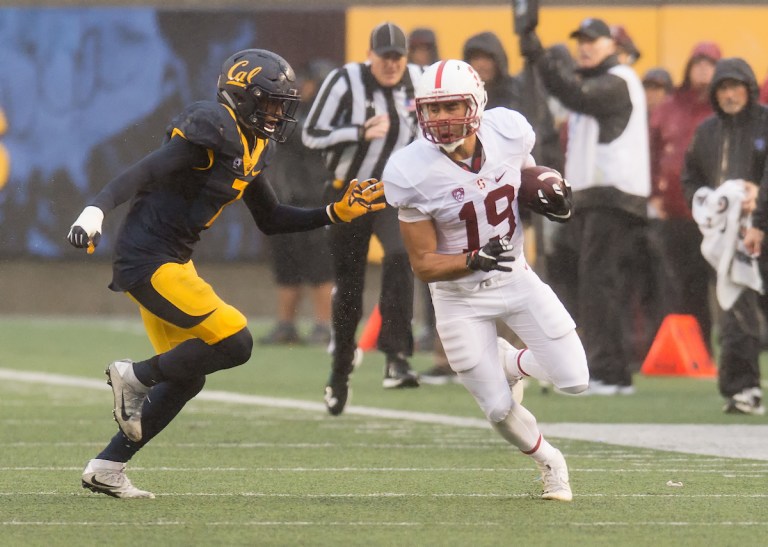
671,128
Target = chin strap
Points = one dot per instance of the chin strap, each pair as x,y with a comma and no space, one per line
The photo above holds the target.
228,99
449,148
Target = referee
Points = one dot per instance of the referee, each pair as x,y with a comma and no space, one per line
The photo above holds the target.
361,115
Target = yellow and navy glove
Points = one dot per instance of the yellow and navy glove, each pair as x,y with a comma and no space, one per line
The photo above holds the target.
490,255
86,231
359,199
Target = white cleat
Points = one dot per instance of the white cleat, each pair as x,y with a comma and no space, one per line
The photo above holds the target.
597,387
516,383
107,477
129,395
748,401
554,475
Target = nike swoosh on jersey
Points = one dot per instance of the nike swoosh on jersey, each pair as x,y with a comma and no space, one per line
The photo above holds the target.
500,176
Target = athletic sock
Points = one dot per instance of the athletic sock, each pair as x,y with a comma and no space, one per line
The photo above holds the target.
522,363
148,372
519,428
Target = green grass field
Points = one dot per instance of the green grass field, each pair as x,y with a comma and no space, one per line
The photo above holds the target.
244,472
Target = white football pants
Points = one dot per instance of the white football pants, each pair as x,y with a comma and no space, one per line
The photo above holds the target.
466,322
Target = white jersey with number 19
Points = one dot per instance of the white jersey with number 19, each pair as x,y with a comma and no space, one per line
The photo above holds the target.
468,209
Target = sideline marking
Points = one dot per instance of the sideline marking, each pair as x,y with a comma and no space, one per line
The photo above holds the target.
253,400
730,441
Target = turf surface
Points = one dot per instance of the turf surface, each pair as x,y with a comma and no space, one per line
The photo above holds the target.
228,473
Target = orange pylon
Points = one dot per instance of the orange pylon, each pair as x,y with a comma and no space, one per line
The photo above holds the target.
679,350
371,330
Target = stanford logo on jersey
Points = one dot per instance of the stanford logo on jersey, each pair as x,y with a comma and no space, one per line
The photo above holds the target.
458,194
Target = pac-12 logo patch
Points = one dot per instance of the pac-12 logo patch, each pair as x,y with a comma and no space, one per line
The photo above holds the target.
237,163
458,194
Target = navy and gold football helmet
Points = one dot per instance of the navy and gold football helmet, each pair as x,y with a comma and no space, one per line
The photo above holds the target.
260,87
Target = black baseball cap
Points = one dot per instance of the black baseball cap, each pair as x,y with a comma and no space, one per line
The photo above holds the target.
592,29
388,38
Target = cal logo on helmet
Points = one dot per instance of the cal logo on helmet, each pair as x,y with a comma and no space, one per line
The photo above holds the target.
238,77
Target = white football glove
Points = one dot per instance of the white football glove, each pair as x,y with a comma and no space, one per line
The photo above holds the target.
86,231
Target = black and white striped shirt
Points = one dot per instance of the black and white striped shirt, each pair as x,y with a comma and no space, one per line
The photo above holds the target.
348,97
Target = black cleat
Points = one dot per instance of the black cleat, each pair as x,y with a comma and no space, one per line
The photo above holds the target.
398,373
337,393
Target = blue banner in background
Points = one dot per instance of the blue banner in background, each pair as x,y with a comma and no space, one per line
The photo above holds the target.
88,92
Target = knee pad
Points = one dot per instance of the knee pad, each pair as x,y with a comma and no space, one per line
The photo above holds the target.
500,409
574,390
237,347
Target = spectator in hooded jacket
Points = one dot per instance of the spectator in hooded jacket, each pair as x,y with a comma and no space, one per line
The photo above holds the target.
486,54
732,145
673,123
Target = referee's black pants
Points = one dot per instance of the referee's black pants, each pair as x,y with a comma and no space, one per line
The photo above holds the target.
349,249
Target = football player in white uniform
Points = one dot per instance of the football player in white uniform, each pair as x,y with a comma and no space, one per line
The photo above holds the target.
456,193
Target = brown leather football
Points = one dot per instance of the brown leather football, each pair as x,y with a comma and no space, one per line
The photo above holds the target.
538,178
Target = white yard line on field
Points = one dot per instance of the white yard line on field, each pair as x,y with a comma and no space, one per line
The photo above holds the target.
101,524
730,441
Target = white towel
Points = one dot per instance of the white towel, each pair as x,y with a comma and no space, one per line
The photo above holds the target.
718,214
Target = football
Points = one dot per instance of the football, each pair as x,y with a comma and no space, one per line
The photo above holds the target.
533,179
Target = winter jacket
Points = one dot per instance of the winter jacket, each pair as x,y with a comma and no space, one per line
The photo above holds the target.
731,146
671,128
607,160
505,89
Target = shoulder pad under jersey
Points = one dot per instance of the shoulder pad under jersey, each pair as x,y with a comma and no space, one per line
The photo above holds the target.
510,123
210,125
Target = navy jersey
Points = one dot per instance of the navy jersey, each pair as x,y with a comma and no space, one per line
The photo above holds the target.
166,216
179,190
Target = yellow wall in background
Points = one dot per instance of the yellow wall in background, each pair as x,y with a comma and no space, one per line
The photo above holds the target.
664,35
741,31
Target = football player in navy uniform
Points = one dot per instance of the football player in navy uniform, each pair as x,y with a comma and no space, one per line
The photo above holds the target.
215,153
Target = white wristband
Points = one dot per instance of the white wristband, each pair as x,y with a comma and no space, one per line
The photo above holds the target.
90,220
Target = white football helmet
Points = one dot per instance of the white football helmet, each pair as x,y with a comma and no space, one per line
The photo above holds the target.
444,82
